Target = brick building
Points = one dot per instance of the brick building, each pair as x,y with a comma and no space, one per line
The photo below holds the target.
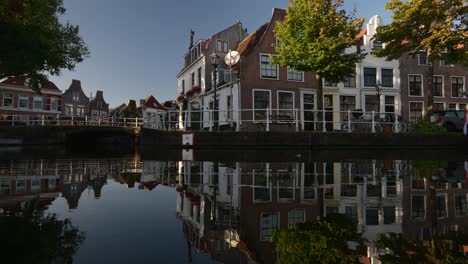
74,100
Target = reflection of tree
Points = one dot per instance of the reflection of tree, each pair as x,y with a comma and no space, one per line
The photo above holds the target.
322,241
400,250
35,237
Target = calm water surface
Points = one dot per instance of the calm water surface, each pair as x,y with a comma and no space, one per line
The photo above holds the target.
134,210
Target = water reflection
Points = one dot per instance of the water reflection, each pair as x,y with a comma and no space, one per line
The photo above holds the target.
229,210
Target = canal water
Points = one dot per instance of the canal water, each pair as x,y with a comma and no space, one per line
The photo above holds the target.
195,207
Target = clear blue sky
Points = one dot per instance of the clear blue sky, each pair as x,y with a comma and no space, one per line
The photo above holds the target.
137,46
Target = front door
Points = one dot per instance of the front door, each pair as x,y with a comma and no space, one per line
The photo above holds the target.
308,115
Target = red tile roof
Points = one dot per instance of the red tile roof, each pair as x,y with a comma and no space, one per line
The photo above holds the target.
18,81
252,40
151,102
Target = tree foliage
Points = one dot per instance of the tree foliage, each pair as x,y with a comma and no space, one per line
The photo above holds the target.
323,241
35,237
314,36
438,27
34,43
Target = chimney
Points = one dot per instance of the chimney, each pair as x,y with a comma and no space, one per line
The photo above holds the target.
191,38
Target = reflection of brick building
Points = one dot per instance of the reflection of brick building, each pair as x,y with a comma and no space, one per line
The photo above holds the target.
16,97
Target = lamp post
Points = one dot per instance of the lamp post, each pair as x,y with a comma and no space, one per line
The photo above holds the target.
378,87
214,62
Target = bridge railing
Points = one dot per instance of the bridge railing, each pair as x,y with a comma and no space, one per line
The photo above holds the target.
58,120
356,121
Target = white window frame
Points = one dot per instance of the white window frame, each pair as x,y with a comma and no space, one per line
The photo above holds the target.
291,71
260,64
394,102
278,187
364,76
99,104
451,83
422,85
278,217
443,86
23,97
296,210
268,185
224,44
253,103
12,97
393,78
419,60
37,99
443,103
278,105
54,99
409,109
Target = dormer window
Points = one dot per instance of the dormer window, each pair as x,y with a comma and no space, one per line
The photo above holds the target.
222,46
377,45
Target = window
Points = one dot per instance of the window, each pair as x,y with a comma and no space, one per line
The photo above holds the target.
350,81
38,103
416,111
95,113
76,96
372,103
277,42
329,83
452,106
296,216
347,103
443,62
286,184
229,106
387,77
262,190
415,85
199,76
438,107
422,58
418,207
268,70
457,86
222,46
389,104
80,111
193,79
260,104
461,204
389,215
441,205
351,213
53,104
294,75
99,104
437,82
269,223
8,100
23,101
286,104
183,86
372,216
461,106
69,110
377,45
370,77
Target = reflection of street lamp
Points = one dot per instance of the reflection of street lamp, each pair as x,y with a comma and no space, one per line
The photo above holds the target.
214,62
378,87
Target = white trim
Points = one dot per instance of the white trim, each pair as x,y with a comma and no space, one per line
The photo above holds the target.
21,89
260,69
301,104
422,85
253,102
277,100
20,96
443,86
36,98
427,62
451,83
292,80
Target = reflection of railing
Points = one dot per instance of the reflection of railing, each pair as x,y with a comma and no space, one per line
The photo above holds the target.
58,120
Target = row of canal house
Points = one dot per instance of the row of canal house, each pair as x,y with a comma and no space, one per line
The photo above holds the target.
229,208
17,98
397,86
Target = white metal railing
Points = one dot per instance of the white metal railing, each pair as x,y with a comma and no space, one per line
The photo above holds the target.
244,119
59,120
282,119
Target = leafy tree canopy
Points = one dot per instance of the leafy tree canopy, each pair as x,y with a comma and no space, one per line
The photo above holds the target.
34,43
438,27
314,36
323,241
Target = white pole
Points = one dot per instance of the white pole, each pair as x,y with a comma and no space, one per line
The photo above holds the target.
324,123
268,119
296,119
349,121
373,122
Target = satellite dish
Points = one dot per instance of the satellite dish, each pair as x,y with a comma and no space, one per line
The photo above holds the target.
232,58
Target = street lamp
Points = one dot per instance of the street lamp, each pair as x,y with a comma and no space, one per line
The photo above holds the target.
214,62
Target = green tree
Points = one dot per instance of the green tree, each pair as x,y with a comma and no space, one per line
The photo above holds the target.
437,27
34,43
322,241
313,38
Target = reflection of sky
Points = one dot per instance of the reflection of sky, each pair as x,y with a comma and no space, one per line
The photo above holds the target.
128,226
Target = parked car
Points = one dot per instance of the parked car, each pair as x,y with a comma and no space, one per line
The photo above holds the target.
452,120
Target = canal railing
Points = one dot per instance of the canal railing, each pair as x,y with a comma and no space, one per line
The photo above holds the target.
234,120
58,120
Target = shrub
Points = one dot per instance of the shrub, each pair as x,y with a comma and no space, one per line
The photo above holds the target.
426,127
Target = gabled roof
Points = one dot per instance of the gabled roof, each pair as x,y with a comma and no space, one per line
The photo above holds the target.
252,40
19,81
151,102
